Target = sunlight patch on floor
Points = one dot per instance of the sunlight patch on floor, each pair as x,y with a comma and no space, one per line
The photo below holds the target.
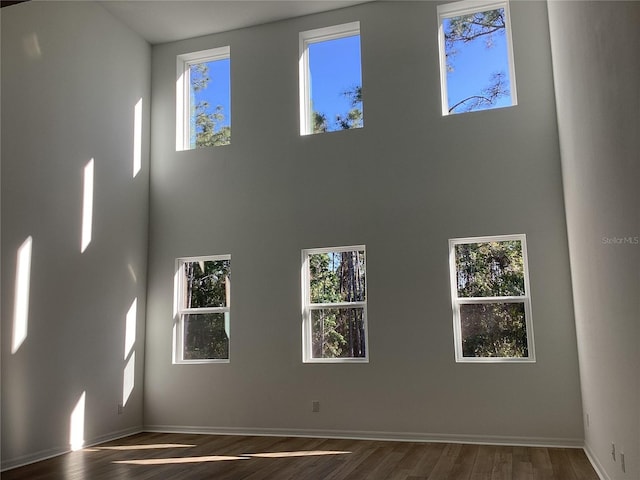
180,460
220,458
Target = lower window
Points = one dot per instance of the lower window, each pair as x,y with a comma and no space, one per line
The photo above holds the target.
202,309
490,299
334,305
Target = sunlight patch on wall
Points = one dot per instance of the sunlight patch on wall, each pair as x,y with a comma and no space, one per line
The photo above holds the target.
76,431
180,127
176,290
128,381
31,46
21,303
133,273
137,138
87,206
130,329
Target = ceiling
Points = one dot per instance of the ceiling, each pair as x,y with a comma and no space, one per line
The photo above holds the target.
160,21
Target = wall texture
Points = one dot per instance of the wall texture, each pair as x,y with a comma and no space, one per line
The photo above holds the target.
71,76
597,73
412,180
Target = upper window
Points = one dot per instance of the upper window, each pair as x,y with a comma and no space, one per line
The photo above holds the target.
476,56
490,297
330,79
202,309
334,305
203,99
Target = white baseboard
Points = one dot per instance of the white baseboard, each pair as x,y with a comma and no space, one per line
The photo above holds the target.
367,435
595,463
54,452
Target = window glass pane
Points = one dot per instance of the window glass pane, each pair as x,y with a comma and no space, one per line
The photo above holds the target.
490,269
338,333
206,283
493,330
210,103
337,277
335,84
477,61
206,336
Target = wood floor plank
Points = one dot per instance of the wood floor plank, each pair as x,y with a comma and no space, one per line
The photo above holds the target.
542,468
581,464
464,462
502,464
483,465
154,456
561,464
446,462
429,458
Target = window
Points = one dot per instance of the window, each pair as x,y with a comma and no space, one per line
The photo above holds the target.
476,56
203,99
334,305
202,308
490,297
330,79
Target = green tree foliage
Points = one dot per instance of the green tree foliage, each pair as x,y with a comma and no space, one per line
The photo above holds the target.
320,123
337,277
206,285
485,98
351,119
206,127
470,28
492,269
205,336
493,330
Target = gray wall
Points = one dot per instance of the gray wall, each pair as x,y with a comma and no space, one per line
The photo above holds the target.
71,75
597,73
412,180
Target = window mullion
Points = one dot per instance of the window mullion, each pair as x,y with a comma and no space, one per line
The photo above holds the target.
324,306
473,300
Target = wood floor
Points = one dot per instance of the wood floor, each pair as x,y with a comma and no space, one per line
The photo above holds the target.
155,456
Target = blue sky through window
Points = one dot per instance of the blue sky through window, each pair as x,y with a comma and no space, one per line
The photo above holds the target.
217,92
472,67
335,68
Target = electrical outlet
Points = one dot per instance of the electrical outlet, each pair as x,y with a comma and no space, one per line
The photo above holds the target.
120,408
315,406
613,451
622,465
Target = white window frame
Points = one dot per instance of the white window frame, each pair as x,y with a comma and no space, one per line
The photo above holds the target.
183,83
466,7
179,310
457,301
307,307
305,39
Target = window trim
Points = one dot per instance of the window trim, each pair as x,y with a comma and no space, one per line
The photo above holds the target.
466,7
307,38
179,311
457,301
307,307
183,83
